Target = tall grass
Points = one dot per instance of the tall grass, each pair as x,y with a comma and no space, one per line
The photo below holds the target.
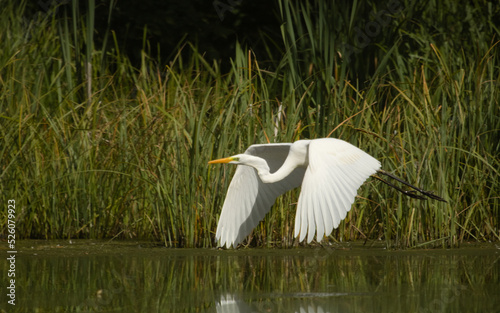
94,147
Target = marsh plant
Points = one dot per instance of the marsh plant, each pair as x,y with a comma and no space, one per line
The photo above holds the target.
95,147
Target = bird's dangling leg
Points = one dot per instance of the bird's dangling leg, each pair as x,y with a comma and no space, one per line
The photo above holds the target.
409,193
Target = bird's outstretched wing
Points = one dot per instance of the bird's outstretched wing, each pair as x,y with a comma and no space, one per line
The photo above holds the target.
336,170
248,199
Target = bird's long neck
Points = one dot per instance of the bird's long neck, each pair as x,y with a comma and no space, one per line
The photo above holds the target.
268,177
298,156
286,169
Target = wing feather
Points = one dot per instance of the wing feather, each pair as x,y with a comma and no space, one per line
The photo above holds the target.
248,199
335,172
311,219
301,215
321,215
327,216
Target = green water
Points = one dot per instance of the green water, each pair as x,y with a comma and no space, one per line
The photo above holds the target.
90,276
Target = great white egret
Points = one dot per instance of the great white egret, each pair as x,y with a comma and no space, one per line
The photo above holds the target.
329,171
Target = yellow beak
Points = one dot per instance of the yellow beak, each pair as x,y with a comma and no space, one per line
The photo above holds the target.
224,160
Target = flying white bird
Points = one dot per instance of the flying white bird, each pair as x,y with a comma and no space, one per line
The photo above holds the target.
329,172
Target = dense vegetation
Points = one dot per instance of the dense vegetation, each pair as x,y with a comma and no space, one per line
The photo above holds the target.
96,147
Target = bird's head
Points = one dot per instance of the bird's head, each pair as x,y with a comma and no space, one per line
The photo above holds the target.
244,159
235,159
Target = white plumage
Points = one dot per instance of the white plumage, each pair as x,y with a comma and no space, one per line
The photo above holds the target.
330,171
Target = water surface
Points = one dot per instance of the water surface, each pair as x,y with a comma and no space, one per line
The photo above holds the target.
103,276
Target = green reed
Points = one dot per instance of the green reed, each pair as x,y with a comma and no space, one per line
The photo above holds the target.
94,147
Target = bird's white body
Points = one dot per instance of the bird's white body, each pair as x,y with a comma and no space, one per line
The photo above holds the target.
330,171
